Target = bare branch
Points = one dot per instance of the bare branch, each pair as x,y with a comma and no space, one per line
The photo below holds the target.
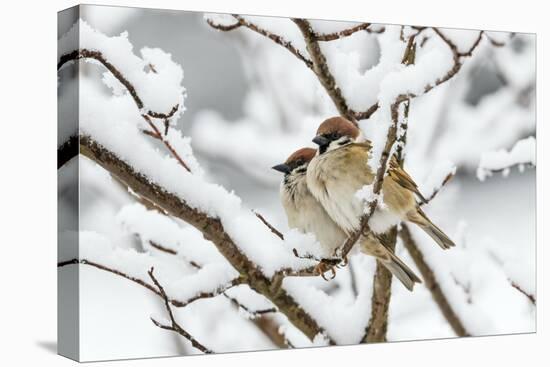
253,313
431,283
221,27
268,225
174,302
529,296
457,59
320,68
242,22
157,135
345,33
162,248
98,56
366,114
174,324
437,189
272,329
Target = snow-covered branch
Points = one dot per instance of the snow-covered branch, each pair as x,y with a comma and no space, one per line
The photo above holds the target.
174,326
430,280
211,227
522,155
242,22
346,32
321,69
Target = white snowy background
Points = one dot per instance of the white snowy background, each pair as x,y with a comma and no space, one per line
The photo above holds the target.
248,104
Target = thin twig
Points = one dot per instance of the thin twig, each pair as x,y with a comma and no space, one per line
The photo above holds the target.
431,282
194,264
174,324
529,296
364,115
174,302
159,247
253,313
321,69
268,225
437,189
242,22
96,55
157,135
341,34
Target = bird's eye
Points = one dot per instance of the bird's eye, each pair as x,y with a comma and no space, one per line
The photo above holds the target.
299,162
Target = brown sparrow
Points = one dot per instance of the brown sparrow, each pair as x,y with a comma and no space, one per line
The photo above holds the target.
307,215
341,169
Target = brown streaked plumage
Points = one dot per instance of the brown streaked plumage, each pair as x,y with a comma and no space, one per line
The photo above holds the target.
306,214
341,169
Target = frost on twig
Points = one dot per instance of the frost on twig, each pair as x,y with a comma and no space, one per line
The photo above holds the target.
521,155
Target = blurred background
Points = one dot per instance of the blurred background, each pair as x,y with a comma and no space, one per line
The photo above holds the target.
249,105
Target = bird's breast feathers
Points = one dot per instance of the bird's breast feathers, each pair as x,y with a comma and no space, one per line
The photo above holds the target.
306,214
335,177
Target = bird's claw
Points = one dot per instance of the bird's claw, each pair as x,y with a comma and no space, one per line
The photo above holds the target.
322,268
343,263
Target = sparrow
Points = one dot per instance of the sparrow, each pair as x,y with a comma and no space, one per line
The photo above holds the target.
341,168
306,214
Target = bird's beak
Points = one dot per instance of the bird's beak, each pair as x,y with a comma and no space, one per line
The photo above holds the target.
321,140
283,167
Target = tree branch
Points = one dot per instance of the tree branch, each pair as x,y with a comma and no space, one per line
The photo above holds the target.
323,37
157,135
431,282
378,179
529,296
320,68
438,189
242,22
174,302
67,151
381,296
97,55
268,225
211,228
174,324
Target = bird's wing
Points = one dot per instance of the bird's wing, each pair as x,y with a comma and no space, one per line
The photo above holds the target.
399,175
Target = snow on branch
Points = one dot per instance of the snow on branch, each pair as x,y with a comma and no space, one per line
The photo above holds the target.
97,251
214,229
430,280
174,326
522,154
346,32
112,136
242,22
159,93
155,87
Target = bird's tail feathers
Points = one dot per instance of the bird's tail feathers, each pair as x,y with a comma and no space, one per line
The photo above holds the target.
419,217
401,271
